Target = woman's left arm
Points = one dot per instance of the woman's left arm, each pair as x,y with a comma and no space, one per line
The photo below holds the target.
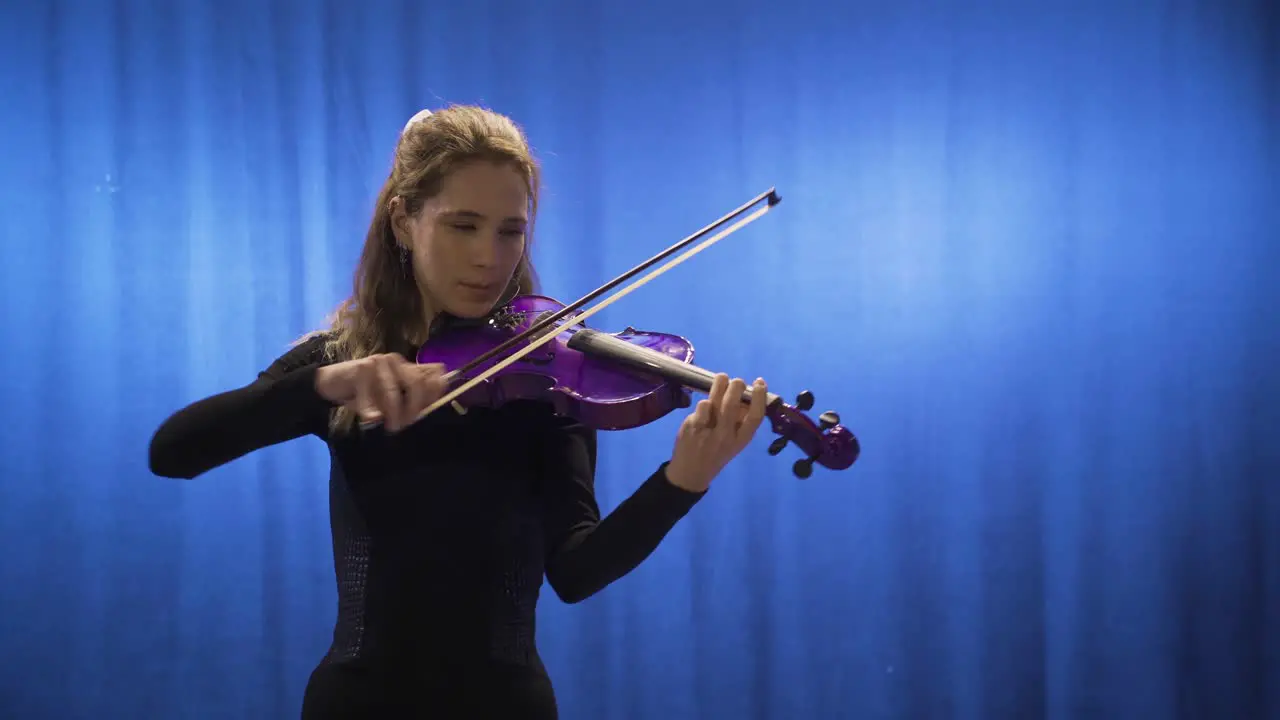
586,553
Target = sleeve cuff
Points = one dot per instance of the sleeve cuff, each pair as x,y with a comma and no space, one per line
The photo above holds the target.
298,388
669,495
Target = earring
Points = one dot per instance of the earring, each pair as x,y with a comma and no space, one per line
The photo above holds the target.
404,255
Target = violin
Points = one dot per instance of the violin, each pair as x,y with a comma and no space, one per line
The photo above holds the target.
533,347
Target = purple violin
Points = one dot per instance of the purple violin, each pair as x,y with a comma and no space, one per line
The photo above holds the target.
536,348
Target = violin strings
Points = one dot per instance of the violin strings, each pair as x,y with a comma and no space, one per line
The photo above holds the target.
578,319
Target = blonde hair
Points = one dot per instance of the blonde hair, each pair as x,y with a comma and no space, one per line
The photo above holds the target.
385,310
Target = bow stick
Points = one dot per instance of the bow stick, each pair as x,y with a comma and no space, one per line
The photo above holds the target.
770,194
451,396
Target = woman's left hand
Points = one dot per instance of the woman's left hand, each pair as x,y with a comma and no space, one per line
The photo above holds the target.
715,432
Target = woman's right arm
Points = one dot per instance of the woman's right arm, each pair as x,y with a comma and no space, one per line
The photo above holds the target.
282,404
290,399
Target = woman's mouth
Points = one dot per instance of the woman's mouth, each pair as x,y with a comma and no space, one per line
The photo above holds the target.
479,289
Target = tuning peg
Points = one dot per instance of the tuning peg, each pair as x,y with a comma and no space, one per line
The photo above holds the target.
828,420
803,468
777,445
804,401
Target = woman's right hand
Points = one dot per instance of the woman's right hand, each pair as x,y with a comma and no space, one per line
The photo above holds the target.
383,388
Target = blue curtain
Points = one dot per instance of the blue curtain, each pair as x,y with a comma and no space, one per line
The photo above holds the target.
1028,253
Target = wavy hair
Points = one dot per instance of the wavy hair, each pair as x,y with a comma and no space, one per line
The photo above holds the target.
385,311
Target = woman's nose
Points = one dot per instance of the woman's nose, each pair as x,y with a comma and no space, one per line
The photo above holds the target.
485,253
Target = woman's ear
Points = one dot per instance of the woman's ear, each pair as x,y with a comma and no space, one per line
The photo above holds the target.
400,225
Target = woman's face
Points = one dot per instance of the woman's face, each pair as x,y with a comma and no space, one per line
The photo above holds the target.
467,241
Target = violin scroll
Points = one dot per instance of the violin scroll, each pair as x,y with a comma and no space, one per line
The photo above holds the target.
826,442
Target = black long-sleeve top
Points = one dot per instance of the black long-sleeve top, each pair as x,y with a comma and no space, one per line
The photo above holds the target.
442,532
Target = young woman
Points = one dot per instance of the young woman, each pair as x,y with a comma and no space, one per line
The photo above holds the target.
444,526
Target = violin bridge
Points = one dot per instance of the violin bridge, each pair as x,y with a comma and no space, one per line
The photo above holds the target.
457,407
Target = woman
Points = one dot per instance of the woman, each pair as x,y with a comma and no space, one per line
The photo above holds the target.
443,526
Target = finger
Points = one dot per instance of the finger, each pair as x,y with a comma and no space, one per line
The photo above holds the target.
439,380
703,415
415,381
731,406
755,412
366,404
716,396
390,397
438,384
434,385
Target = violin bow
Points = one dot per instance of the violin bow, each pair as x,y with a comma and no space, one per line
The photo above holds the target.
770,195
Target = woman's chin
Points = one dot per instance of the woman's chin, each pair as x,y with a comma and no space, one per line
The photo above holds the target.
469,309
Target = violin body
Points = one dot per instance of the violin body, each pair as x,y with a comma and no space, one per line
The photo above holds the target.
595,390
608,381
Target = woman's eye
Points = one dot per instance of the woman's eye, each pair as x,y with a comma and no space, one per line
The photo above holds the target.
509,233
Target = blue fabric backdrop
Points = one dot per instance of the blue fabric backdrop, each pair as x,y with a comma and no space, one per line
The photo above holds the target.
1026,251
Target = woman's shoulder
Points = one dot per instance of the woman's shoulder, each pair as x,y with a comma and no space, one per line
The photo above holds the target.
313,348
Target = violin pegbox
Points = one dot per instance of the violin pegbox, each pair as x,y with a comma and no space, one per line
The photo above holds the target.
825,442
